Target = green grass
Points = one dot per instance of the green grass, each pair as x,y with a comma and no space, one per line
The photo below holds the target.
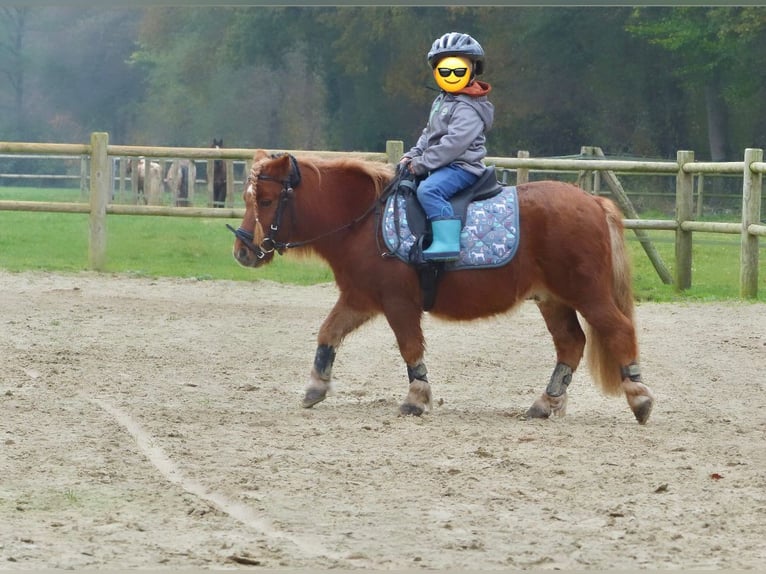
64,194
201,248
142,245
715,268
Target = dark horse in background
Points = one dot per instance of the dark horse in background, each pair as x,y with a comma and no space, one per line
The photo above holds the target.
219,178
571,259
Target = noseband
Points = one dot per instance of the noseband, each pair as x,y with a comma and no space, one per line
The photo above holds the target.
270,243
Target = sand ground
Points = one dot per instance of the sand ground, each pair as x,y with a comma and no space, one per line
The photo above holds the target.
155,423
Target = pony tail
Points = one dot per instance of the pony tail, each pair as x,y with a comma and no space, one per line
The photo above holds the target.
621,270
604,368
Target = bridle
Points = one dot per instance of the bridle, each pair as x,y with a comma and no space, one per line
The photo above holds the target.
270,243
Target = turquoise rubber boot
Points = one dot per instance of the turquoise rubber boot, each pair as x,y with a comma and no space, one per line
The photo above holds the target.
446,240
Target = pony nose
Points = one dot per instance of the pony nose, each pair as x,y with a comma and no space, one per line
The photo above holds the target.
242,254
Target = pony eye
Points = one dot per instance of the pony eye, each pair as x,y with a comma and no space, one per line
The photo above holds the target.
264,202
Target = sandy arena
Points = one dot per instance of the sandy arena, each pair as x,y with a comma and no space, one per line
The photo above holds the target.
155,423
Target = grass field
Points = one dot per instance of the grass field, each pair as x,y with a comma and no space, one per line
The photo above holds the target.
201,248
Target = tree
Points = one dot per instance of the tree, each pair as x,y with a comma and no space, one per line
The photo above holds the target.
66,70
567,77
710,50
645,81
90,78
13,29
226,72
371,62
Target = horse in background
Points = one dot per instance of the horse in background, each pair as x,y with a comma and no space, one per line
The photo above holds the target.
219,177
180,179
150,194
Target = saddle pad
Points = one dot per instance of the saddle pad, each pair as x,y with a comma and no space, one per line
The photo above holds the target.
489,237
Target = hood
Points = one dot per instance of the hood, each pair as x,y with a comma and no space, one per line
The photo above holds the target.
476,89
475,95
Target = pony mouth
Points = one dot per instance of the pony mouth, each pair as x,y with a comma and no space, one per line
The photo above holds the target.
247,258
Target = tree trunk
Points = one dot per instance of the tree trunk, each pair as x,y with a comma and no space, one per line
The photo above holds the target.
717,121
13,48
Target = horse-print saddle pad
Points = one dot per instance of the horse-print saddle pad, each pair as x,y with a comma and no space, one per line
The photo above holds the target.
489,238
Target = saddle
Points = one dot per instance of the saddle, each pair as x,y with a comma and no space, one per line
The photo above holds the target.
489,215
485,187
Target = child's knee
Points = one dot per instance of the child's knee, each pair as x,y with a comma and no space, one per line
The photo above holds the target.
426,190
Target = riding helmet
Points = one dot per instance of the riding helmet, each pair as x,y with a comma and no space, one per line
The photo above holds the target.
457,44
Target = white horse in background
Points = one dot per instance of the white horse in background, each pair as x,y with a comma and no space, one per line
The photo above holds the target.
150,194
180,181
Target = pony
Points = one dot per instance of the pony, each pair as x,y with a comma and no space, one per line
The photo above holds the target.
571,259
219,178
154,195
180,179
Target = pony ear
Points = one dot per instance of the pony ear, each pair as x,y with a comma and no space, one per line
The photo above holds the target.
282,164
259,155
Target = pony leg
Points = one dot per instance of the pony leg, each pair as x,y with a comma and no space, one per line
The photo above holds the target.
613,360
640,397
418,399
404,319
341,321
569,340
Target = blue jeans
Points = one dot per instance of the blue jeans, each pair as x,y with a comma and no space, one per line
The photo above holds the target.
435,190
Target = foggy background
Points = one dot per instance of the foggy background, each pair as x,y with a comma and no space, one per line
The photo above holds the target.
637,82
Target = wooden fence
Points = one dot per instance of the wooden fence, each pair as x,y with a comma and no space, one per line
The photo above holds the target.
684,168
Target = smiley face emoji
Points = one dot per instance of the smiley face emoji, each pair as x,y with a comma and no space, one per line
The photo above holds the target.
452,73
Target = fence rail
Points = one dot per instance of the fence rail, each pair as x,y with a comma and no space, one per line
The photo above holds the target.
750,169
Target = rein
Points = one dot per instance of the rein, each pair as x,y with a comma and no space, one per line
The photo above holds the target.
270,243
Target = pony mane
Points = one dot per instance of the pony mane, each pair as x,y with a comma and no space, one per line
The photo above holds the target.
380,173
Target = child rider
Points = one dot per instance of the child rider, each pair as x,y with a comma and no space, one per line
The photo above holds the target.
451,148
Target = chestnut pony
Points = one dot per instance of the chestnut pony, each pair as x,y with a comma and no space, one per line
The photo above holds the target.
571,259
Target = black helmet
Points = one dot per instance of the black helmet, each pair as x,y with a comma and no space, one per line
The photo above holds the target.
457,44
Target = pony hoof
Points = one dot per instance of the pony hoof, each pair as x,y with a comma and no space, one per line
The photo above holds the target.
643,410
410,409
543,407
537,412
312,397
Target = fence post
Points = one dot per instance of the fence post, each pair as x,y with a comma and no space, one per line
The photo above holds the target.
229,165
700,194
209,170
394,151
585,177
83,178
751,214
684,211
100,179
121,177
522,173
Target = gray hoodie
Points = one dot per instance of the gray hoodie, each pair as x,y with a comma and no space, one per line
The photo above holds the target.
455,131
